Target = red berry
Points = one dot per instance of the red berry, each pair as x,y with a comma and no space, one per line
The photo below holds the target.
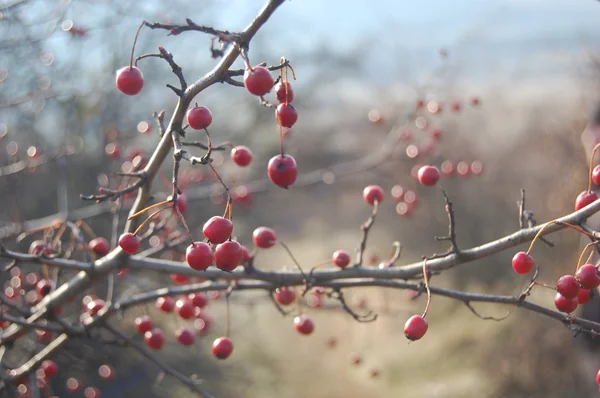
130,243
154,338
228,255
341,258
182,203
106,372
199,300
241,155
246,255
217,229
258,81
165,303
428,175
38,247
284,92
415,328
564,304
584,296
143,324
199,256
185,336
284,295
199,117
596,175
185,308
286,115
588,276
94,306
49,367
264,237
522,263
282,170
222,348
130,80
598,377
43,287
179,279
568,286
373,193
585,198
303,324
99,246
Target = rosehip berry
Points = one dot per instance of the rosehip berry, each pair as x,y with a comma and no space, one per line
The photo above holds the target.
341,258
258,81
185,308
154,339
282,170
284,295
198,299
99,246
373,193
584,296
199,256
179,279
568,287
165,303
185,336
585,198
43,287
284,92
222,348
143,324
228,255
286,115
564,304
130,80
199,117
49,367
522,263
246,255
415,328
217,229
598,378
241,155
130,243
303,324
428,175
264,237
588,276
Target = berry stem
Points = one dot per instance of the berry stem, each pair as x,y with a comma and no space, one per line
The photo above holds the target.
583,253
229,200
426,280
185,225
164,202
281,140
150,217
592,166
86,227
134,42
228,316
289,252
575,227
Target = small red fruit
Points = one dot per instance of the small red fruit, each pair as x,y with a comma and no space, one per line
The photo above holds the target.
568,286
284,295
598,377
199,117
217,229
130,80
303,324
185,308
258,81
130,243
596,175
585,198
284,92
373,193
199,300
428,175
228,255
154,338
38,247
222,348
282,170
522,263
202,324
564,304
588,276
341,258
99,246
264,237
49,367
286,115
241,155
143,324
185,336
199,256
165,303
584,296
43,287
415,328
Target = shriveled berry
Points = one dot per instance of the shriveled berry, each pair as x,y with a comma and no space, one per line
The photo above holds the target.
341,258
568,286
217,229
286,115
258,80
415,328
284,295
522,263
241,155
130,80
228,255
199,256
372,194
588,276
282,170
199,117
264,237
130,243
303,324
564,304
428,175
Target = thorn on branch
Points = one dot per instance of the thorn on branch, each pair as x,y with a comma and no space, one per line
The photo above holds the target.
366,227
451,232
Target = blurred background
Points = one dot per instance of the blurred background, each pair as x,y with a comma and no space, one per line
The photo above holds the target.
506,88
